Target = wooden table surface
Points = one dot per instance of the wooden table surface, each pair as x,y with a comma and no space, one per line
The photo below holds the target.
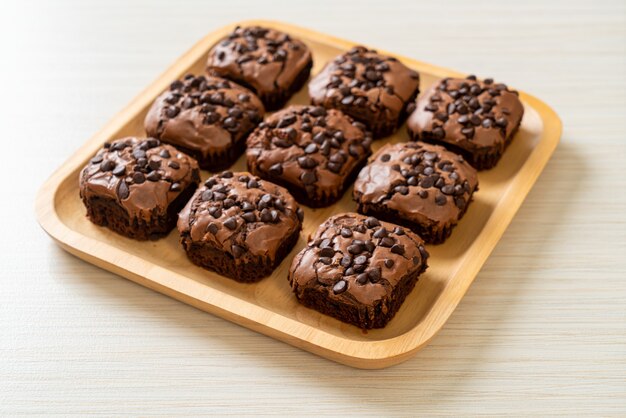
542,329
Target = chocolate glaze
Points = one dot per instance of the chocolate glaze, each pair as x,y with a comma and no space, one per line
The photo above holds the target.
484,115
140,174
204,114
319,264
266,60
241,215
370,87
422,183
310,141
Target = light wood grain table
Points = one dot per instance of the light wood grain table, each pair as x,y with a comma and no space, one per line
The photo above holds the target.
542,329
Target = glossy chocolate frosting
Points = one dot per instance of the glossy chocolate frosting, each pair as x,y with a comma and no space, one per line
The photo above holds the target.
420,182
468,113
308,148
265,60
140,174
204,114
362,82
357,259
241,215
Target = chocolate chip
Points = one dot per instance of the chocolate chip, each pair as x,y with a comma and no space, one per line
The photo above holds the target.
154,176
346,233
423,252
423,194
107,165
122,190
175,187
402,189
212,228
346,261
326,260
374,274
385,157
501,122
206,195
230,223
96,160
448,189
427,182
286,121
372,222
276,169
468,132
308,177
440,200
215,212
340,287
138,177
119,170
398,230
300,214
227,174
237,250
389,263
398,249
307,162
439,133
360,259
347,100
252,184
154,164
380,233
355,249
229,203
362,278
310,149
327,252
172,111
387,242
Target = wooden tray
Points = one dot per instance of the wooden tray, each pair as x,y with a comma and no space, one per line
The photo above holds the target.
269,307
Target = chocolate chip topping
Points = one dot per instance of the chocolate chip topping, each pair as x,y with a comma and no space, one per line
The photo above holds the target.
365,85
354,264
264,59
467,112
204,114
240,214
317,160
138,174
418,182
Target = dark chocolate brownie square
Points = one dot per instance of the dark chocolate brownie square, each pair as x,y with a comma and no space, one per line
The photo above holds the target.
207,117
372,88
136,186
422,186
240,226
358,269
472,117
271,63
313,152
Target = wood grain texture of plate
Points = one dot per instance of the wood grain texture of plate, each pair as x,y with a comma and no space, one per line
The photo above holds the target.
269,306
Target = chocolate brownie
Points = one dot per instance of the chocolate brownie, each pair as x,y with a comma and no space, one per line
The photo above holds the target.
313,152
240,226
271,63
207,117
136,186
372,88
358,269
421,186
472,117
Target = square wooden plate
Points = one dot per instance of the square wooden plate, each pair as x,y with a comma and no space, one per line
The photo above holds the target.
269,307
